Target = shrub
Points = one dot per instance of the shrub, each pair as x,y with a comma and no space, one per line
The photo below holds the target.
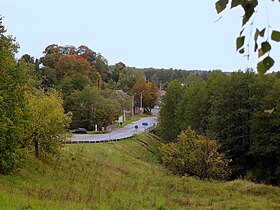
195,155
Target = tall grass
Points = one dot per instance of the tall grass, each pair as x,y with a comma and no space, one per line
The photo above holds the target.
123,175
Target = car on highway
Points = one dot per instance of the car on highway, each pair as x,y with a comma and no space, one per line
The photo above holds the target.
79,131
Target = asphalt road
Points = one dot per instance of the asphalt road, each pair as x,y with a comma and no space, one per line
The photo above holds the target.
117,134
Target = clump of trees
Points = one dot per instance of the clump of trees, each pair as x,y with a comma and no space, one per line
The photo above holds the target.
240,111
195,155
83,77
89,108
31,120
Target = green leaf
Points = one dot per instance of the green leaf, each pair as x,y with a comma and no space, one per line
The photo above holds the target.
235,3
256,46
241,51
249,9
240,42
262,32
275,36
265,65
259,33
221,5
264,48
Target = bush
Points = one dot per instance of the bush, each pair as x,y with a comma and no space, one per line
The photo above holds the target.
196,156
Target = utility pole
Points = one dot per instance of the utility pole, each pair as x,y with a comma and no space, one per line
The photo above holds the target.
132,105
141,100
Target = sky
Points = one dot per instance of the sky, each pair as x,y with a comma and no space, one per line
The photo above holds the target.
178,34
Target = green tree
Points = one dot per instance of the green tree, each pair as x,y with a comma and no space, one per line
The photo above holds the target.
119,69
14,81
127,81
101,65
266,138
168,126
192,109
70,83
230,117
90,108
123,98
48,123
52,55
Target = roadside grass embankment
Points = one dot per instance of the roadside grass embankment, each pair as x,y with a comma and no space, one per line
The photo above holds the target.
123,175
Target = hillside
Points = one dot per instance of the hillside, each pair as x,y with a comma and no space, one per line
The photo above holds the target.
123,175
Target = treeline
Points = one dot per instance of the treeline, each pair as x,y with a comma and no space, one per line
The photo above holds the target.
161,77
241,111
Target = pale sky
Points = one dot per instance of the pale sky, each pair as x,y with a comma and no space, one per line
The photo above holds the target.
178,34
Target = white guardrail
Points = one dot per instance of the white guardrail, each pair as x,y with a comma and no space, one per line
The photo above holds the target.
148,129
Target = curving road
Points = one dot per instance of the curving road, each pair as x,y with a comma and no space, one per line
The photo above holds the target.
117,134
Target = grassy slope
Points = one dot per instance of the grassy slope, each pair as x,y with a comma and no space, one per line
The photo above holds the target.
123,175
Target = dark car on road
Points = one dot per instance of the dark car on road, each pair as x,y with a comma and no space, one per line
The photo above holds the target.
79,130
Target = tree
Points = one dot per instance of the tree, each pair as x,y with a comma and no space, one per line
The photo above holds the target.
128,79
138,89
123,98
150,96
70,65
192,108
48,77
48,123
168,126
70,83
14,80
52,55
230,115
145,94
249,7
195,155
119,69
101,65
266,138
90,108
86,53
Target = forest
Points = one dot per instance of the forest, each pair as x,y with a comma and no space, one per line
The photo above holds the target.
240,111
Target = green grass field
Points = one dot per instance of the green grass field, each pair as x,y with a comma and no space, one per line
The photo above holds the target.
123,175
